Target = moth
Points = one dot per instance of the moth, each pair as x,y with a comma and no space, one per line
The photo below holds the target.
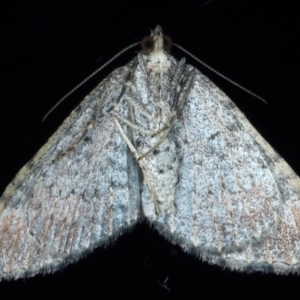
155,140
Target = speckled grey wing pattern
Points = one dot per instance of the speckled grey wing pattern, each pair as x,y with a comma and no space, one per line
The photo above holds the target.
79,191
236,200
207,180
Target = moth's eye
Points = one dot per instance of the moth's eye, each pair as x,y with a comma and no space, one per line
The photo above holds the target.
167,42
147,43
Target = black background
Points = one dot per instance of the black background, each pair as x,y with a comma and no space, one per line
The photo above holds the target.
46,48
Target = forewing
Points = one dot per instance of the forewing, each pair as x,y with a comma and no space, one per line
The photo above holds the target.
81,189
237,202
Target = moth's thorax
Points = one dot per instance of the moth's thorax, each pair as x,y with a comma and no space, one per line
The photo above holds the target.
158,61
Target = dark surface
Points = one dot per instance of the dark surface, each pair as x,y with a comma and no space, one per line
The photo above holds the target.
46,49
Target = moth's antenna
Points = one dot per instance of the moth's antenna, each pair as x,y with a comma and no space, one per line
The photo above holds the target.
220,74
88,78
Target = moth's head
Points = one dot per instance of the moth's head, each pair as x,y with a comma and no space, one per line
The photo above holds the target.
156,43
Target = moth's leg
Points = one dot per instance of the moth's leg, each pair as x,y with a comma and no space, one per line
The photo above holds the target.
136,154
129,123
163,138
128,84
180,98
135,102
125,120
128,78
181,87
187,83
90,124
132,100
176,84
